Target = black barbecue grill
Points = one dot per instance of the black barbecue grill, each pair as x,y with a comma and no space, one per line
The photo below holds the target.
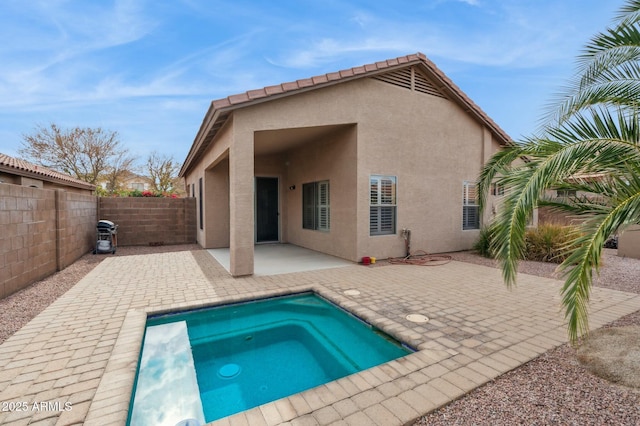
106,237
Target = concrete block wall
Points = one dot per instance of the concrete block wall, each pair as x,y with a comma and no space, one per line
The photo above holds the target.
151,220
45,230
76,226
27,236
546,215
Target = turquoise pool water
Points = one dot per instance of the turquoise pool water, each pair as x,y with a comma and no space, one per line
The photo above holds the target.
212,363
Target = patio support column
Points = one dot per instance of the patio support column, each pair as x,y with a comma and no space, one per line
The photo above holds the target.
241,204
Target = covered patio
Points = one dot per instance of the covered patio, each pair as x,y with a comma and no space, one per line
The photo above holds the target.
283,161
275,259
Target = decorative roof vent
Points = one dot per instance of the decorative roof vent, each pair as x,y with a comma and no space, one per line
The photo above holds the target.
412,79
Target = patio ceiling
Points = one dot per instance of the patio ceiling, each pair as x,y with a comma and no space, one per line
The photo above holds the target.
268,142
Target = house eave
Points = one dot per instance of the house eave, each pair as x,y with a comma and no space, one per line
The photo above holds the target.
220,110
33,175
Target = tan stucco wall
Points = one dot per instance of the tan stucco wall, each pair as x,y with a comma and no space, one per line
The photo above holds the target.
331,158
629,242
215,227
216,206
430,144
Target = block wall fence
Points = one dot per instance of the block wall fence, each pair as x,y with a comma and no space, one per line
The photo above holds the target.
43,231
151,220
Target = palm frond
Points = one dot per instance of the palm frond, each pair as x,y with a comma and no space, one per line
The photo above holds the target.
608,70
610,48
585,259
629,13
589,142
593,130
498,164
619,94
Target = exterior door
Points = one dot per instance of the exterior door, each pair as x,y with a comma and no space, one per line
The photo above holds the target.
267,215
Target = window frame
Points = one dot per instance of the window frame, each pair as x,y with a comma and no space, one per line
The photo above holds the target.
566,193
468,205
316,206
497,189
383,205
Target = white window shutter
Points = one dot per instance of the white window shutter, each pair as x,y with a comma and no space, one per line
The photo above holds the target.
323,206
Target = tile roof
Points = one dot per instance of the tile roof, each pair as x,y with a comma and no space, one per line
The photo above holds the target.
22,167
221,108
304,83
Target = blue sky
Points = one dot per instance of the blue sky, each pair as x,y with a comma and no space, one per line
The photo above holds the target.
149,69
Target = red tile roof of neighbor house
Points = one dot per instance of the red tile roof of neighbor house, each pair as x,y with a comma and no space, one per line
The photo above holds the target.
24,168
221,108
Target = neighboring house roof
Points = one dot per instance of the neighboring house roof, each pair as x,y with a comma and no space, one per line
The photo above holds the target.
132,177
24,168
220,109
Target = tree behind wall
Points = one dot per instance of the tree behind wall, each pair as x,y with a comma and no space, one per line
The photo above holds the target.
84,153
119,169
163,172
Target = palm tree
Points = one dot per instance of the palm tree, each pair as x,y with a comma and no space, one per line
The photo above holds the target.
608,73
593,132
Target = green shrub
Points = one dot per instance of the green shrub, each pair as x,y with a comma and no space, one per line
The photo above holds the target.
546,243
482,246
549,242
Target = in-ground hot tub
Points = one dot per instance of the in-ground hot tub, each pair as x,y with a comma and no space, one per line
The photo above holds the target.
211,363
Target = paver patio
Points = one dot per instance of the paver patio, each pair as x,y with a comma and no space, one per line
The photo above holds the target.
79,356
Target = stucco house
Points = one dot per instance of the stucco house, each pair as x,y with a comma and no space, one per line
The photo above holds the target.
131,181
20,172
342,163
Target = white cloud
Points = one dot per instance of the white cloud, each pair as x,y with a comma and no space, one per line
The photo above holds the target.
54,58
120,64
512,35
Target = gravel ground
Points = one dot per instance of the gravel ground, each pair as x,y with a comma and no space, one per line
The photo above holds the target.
553,389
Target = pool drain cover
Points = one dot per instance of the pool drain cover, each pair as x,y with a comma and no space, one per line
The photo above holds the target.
229,370
417,318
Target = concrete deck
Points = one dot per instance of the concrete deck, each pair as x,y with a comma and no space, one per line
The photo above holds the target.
82,350
276,259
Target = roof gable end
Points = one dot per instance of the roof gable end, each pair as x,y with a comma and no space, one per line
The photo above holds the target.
411,78
416,71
